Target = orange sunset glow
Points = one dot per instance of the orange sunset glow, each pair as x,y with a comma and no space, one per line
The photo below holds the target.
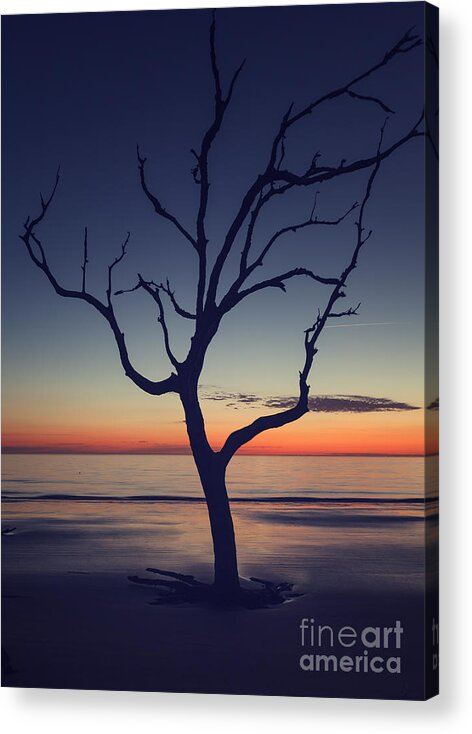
316,434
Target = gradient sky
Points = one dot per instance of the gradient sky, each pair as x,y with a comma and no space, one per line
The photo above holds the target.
82,90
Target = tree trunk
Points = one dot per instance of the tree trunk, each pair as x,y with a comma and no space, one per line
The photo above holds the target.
211,470
226,579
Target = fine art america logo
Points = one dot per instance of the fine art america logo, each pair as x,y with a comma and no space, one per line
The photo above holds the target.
349,649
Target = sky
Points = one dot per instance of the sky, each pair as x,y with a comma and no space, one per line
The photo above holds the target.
81,90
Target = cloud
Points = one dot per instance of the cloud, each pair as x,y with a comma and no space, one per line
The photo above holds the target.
318,403
434,405
343,404
233,398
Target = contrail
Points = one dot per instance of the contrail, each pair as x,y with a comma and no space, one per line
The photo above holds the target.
372,323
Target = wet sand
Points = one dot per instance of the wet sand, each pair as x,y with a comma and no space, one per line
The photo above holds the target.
96,631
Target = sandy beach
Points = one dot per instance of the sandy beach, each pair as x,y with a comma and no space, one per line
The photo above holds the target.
71,619
94,631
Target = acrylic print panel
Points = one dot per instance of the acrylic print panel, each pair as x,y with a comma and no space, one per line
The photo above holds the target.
219,351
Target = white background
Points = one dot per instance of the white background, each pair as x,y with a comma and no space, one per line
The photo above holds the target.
52,711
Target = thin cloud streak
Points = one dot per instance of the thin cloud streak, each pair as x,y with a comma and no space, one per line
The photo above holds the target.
319,403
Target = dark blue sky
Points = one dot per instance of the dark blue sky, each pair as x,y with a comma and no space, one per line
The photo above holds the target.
82,89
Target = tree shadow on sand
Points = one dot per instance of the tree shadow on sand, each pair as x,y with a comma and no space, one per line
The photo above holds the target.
178,588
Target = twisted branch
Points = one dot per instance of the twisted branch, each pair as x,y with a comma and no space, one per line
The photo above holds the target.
33,245
166,289
273,173
246,270
278,281
157,205
154,293
113,265
200,172
243,435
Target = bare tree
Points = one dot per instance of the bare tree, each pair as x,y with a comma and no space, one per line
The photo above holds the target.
211,306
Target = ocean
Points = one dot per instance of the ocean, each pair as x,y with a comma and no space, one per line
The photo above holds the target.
331,521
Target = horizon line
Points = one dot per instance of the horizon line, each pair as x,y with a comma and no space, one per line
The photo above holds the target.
36,452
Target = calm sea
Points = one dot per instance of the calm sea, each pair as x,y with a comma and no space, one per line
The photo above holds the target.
324,520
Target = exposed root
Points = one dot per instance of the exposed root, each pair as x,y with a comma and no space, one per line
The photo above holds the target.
179,588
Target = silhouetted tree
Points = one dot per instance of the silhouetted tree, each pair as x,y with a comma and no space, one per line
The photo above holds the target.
273,182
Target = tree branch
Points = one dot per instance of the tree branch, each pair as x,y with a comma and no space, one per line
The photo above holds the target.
241,436
367,98
177,308
200,173
278,281
327,173
154,293
273,174
31,241
85,262
158,208
113,265
406,43
349,312
246,270
234,295
214,65
291,179
166,289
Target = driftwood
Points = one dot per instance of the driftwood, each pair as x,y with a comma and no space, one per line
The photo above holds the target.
179,576
186,589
